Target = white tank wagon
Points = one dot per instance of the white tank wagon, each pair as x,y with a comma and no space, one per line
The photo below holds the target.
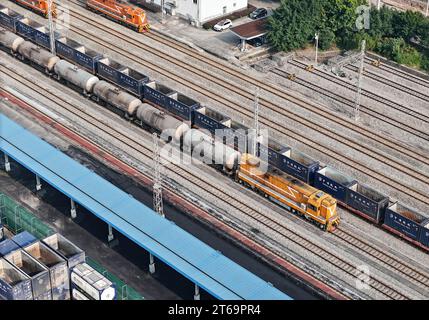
79,77
116,97
10,40
162,122
38,55
218,153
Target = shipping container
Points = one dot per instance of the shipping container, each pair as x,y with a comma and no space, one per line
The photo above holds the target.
66,249
92,283
14,285
79,295
367,201
157,94
211,120
424,234
35,32
405,220
333,182
181,105
39,274
9,18
126,78
80,55
24,238
273,151
57,266
7,246
299,165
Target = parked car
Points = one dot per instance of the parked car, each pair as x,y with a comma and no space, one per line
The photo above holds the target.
222,25
258,13
256,42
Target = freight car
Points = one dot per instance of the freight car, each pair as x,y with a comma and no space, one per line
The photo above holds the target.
38,6
358,198
134,18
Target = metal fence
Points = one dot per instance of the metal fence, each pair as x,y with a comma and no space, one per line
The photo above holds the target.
17,219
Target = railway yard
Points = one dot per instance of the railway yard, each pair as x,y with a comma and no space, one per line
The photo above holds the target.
312,112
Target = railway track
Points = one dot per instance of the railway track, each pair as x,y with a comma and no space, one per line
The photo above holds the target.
275,224
351,104
272,123
398,72
392,104
403,268
392,84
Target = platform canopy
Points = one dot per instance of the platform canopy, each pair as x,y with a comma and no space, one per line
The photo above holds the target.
251,30
198,262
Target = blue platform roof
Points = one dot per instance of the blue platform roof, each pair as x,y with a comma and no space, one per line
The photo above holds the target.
201,264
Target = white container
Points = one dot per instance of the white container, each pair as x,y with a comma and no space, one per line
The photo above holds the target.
92,283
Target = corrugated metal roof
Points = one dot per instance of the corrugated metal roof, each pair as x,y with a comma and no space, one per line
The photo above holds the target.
198,262
252,29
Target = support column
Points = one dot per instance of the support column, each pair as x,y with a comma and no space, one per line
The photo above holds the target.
38,183
197,293
110,237
73,209
151,264
243,45
6,163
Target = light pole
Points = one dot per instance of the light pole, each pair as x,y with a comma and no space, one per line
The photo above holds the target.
316,36
427,9
51,28
378,4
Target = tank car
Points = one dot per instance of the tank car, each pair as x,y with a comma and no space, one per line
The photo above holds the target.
117,98
38,56
207,149
10,40
82,79
170,127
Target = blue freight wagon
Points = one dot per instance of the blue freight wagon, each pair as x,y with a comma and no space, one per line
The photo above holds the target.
14,285
368,202
157,93
126,78
66,249
273,151
211,120
299,165
405,220
24,238
424,234
79,54
9,18
39,274
57,266
35,32
333,182
7,246
181,106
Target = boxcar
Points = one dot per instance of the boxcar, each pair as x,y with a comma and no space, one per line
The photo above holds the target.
405,220
211,120
126,78
157,93
76,53
9,18
35,32
299,165
333,182
367,202
424,234
181,105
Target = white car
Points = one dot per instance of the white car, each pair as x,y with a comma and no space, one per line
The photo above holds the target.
222,25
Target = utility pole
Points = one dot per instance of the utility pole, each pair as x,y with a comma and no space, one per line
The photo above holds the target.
256,123
157,180
427,9
162,11
316,36
359,84
378,4
51,27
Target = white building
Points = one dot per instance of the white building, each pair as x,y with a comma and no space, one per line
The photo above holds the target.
201,11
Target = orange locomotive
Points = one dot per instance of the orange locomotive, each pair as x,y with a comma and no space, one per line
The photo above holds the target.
135,18
294,195
38,6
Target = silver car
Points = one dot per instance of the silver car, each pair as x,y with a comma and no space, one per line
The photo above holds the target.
222,25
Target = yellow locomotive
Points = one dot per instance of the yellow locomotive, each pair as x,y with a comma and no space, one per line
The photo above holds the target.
290,193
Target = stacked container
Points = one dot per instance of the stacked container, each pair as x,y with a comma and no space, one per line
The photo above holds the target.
38,273
66,249
14,285
92,283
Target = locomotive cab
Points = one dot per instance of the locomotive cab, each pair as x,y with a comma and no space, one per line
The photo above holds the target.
325,206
